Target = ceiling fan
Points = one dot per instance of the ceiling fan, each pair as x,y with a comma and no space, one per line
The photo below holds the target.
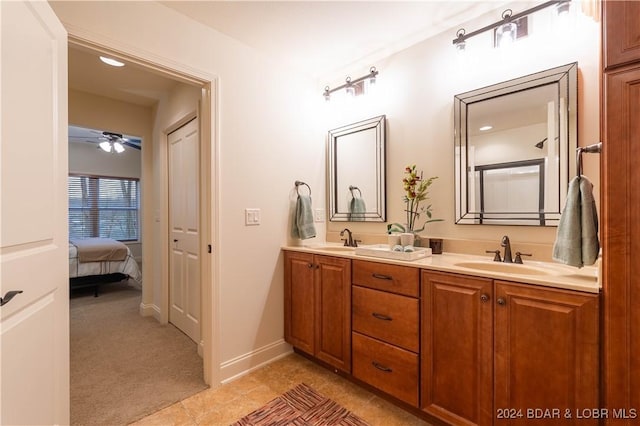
112,142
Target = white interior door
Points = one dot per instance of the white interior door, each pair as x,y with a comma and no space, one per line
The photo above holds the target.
184,220
34,325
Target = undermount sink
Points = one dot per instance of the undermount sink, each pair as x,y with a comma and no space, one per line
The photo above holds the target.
336,248
509,268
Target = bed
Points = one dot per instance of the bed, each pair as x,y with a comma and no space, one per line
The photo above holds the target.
95,261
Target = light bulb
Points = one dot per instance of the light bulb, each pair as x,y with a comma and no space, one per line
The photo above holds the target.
350,90
563,8
506,34
105,145
118,147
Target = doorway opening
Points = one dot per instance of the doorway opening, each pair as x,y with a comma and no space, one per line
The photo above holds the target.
154,212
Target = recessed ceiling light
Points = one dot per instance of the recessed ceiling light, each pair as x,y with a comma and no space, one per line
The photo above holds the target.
111,62
485,128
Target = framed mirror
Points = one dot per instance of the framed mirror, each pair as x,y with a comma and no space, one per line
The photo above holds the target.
513,149
357,172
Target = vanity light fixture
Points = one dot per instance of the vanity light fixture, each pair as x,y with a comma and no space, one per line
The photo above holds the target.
506,28
507,32
111,61
353,87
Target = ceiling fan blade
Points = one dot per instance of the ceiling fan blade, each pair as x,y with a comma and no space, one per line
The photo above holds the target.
132,145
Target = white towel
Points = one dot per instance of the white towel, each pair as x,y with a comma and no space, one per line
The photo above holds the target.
577,236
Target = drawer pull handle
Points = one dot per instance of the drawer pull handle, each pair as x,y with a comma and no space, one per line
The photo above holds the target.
381,316
382,277
381,367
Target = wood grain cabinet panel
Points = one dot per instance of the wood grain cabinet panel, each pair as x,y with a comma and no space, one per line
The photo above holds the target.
546,352
318,306
621,32
383,276
620,200
457,348
387,367
386,316
333,311
299,301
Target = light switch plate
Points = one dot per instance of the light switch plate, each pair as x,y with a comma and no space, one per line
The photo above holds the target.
251,217
318,215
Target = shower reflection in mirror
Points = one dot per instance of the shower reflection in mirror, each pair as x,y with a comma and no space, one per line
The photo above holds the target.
512,145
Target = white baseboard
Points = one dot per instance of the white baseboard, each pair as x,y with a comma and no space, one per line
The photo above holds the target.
244,364
149,309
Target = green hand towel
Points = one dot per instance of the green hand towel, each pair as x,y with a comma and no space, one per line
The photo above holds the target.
577,236
303,226
357,209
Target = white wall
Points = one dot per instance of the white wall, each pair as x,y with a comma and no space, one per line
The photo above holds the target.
89,158
415,89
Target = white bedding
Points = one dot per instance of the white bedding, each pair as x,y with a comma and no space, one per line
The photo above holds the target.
128,266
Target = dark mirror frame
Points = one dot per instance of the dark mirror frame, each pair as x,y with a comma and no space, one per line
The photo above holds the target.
376,205
565,80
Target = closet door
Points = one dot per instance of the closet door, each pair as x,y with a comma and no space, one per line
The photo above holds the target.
184,219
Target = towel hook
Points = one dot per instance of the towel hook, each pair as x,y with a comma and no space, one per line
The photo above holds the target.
595,148
354,188
298,183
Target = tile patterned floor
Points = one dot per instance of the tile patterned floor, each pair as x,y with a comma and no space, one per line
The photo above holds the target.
232,401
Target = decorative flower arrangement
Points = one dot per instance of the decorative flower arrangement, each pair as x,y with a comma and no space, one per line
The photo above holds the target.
417,190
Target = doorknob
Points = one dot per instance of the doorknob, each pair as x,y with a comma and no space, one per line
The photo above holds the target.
7,297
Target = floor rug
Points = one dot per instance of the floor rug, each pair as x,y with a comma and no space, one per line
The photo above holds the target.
301,406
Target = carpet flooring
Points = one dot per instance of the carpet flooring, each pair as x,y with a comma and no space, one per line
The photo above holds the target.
301,406
125,366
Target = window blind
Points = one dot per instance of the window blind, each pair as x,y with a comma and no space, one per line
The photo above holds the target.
103,207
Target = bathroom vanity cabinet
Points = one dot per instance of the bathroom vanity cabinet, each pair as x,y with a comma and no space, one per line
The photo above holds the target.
459,348
386,321
521,347
318,307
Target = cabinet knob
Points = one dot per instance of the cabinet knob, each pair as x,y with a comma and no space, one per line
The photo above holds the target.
484,297
501,301
310,265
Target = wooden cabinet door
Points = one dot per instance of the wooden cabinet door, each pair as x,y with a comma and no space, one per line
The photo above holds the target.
333,311
621,240
299,300
457,348
621,42
546,353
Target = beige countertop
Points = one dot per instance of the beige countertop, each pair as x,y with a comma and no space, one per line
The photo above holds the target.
530,272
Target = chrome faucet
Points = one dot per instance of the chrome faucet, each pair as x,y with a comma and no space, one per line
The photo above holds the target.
349,241
507,250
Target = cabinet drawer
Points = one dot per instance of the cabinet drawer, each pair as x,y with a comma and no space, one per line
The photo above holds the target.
386,367
386,316
382,276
